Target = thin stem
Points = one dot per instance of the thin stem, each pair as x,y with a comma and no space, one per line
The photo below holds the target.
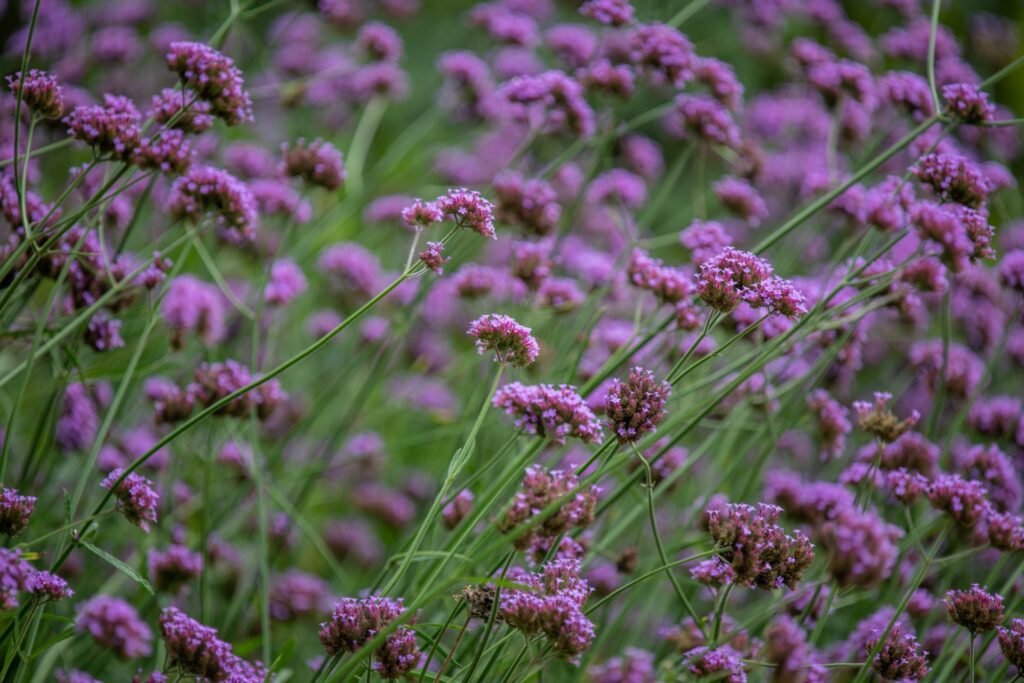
936,4
361,139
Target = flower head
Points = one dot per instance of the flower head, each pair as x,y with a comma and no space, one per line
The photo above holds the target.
214,78
40,92
546,410
975,609
136,498
317,163
511,343
468,209
15,511
636,407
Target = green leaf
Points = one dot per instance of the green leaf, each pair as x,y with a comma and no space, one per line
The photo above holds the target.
119,565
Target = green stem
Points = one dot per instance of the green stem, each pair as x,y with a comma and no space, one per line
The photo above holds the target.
361,139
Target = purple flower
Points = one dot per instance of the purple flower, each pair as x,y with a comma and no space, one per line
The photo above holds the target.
530,203
457,509
111,128
967,103
670,285
15,511
317,163
197,651
511,343
636,407
551,604
15,576
1011,270
420,215
379,42
963,500
908,93
954,178
79,420
540,488
963,368
900,658
170,570
862,548
634,666
45,585
740,197
876,419
719,664
213,77
297,594
663,52
180,109
1011,643
975,609
701,117
355,621
286,283
609,12
573,43
352,269
40,92
168,153
135,496
759,551
468,209
721,79
549,102
1005,530
215,381
205,189
618,187
995,470
433,257
115,625
555,412
192,306
730,277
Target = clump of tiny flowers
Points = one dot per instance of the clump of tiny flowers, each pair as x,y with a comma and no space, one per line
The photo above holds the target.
967,103
540,488
205,189
136,498
900,657
317,163
40,92
468,209
355,621
636,407
1011,643
734,276
878,420
195,650
511,343
975,609
213,77
759,551
115,625
546,410
15,511
551,603
719,664
433,257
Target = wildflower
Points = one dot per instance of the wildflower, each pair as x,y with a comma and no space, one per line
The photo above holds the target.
634,666
1011,270
181,110
1011,643
719,664
964,500
900,658
213,77
205,189
609,12
379,42
742,199
46,585
549,102
15,576
468,209
511,343
954,178
967,103
663,52
420,214
994,469
115,625
317,163
551,604
286,282
169,153
703,118
215,381
963,368
457,509
876,419
730,277
111,128
704,239
194,306
398,655
759,551
617,187
135,496
545,410
197,651
355,621
636,407
15,511
39,91
297,594
908,92
670,285
532,203
352,269
540,488
170,570
975,609
1005,530
847,534
832,422
714,572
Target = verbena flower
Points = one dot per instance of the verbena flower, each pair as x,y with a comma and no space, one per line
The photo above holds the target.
197,650
39,91
317,163
468,209
900,657
511,343
555,412
15,511
610,12
208,190
637,406
967,103
115,625
540,488
213,77
136,497
975,609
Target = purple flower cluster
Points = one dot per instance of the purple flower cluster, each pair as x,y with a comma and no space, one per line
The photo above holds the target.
511,343
551,603
214,78
136,497
545,410
195,650
637,406
574,506
356,621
